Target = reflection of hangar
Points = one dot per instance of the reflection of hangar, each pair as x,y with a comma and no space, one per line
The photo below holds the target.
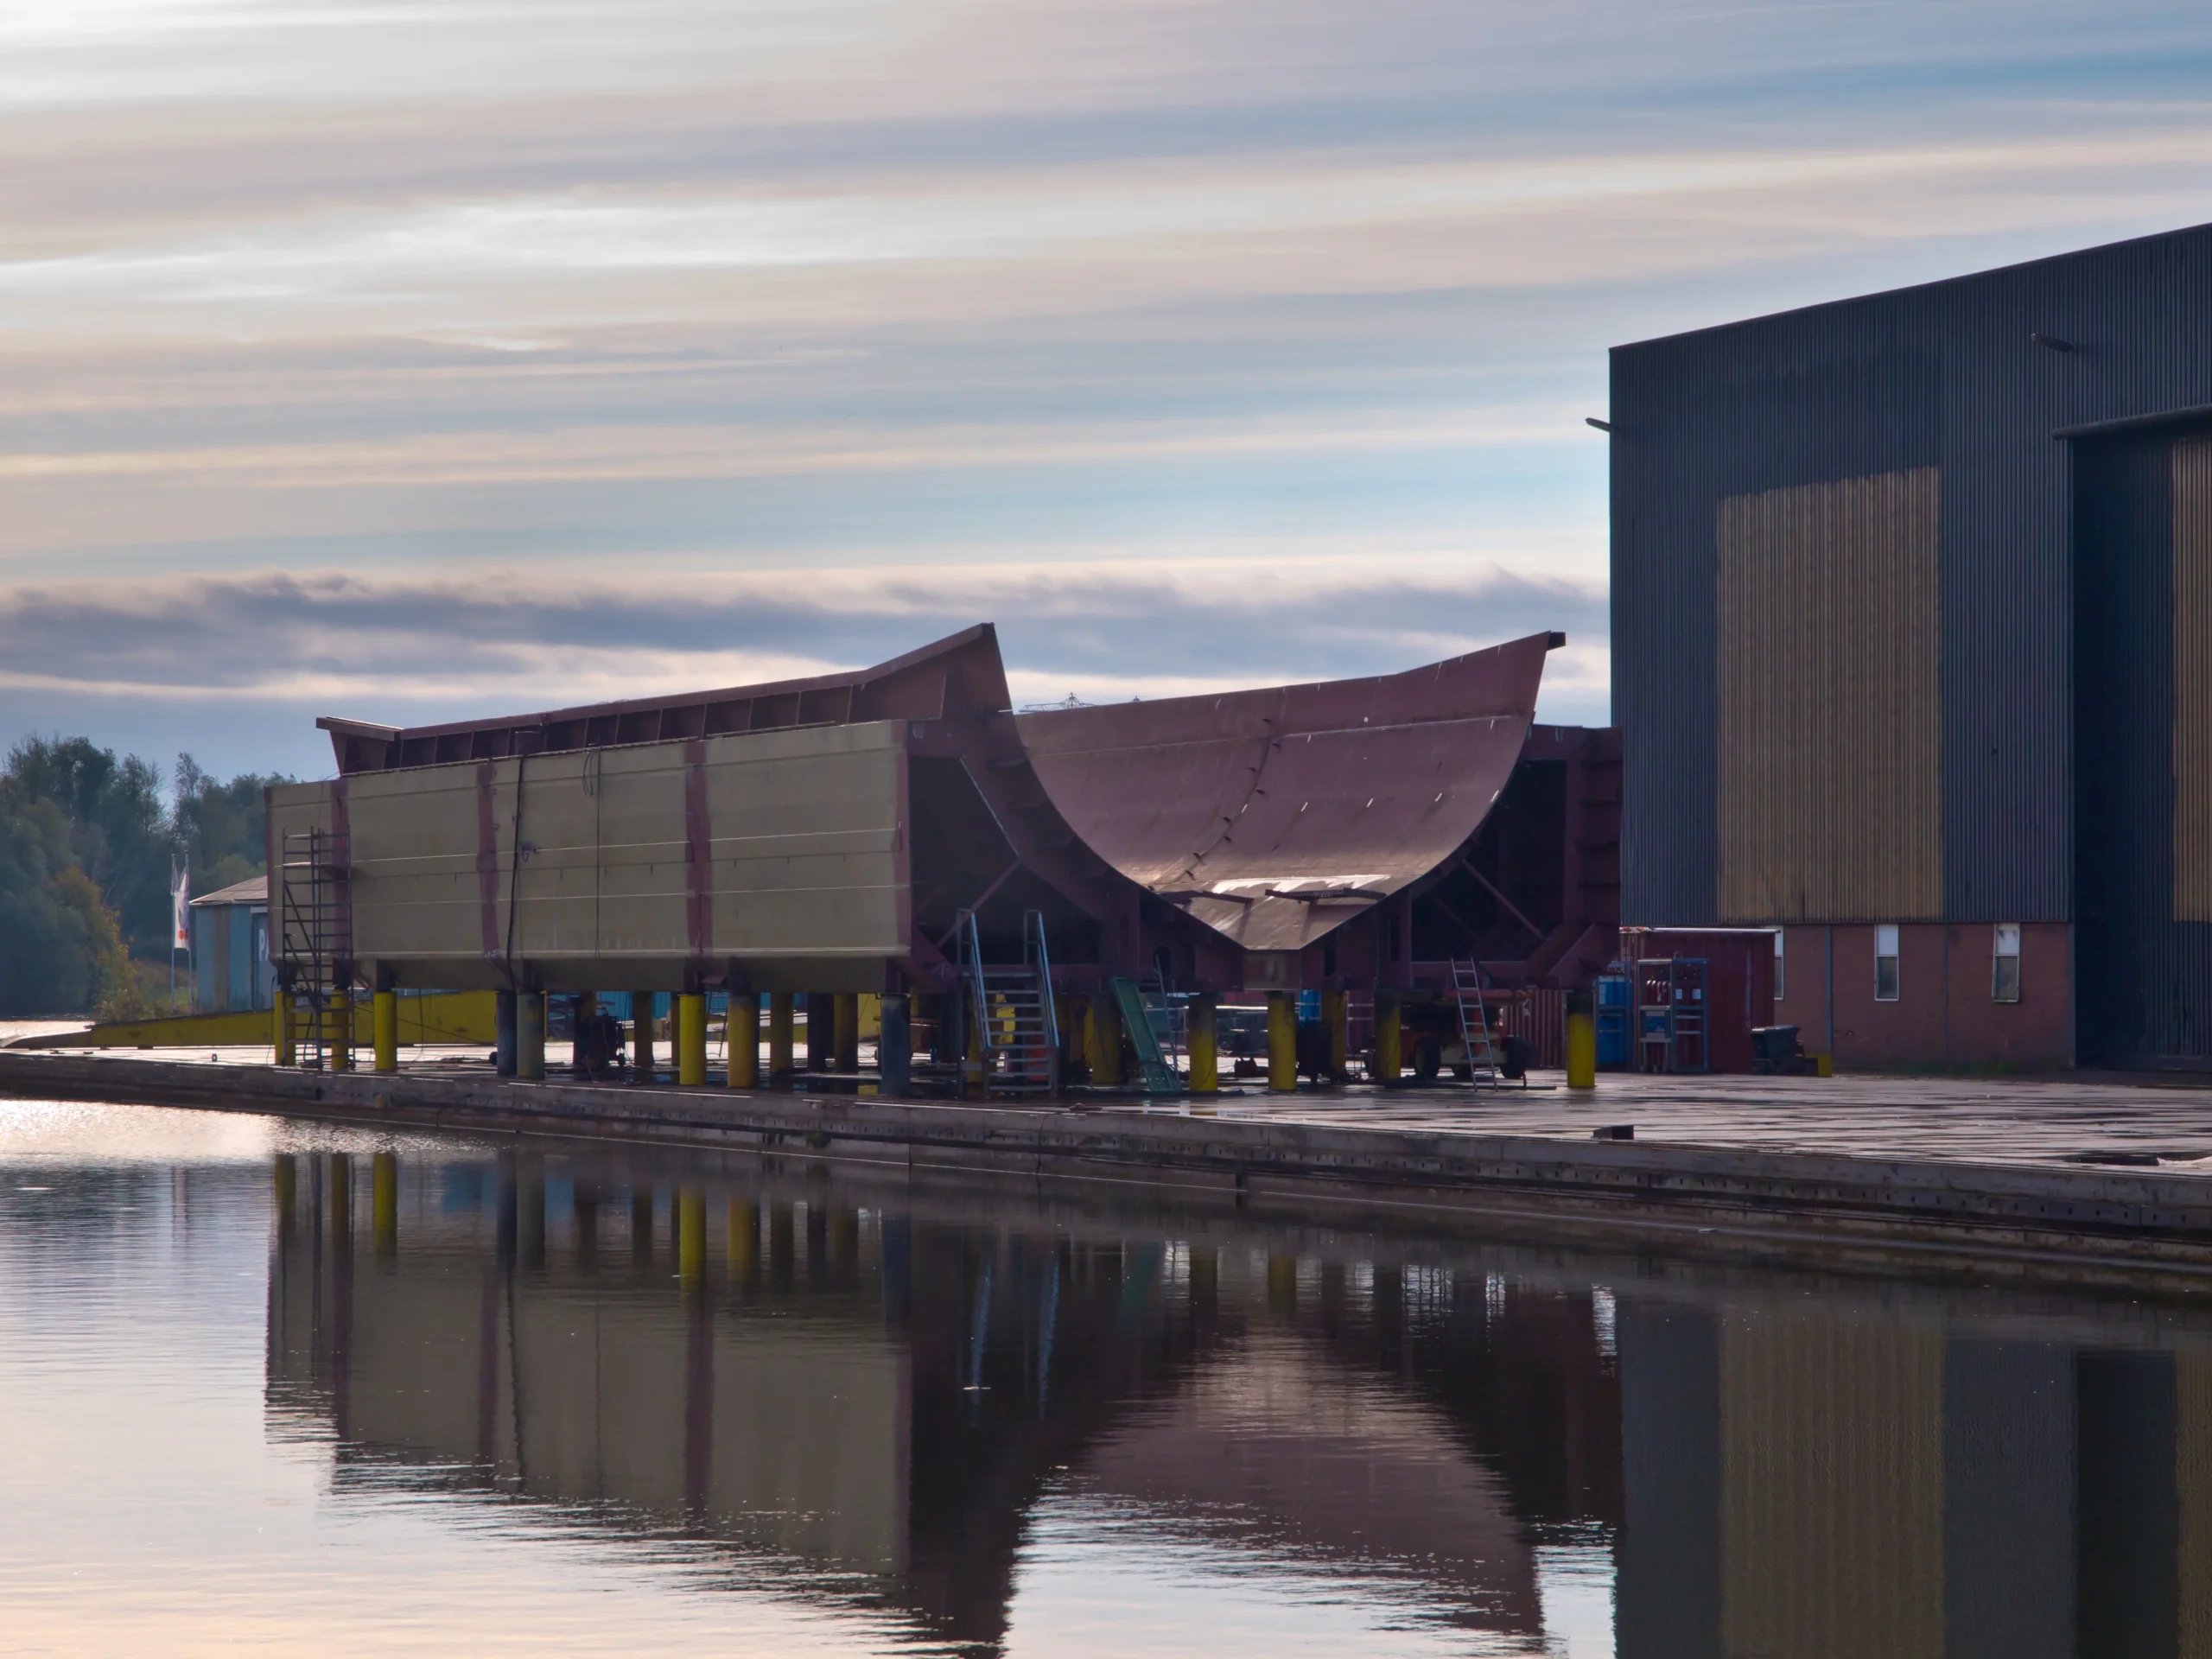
834,835
1811,1476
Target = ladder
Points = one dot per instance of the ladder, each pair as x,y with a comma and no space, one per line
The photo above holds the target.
1012,1010
1474,1024
1160,1076
314,945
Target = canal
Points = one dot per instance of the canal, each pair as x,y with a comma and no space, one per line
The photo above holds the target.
277,1385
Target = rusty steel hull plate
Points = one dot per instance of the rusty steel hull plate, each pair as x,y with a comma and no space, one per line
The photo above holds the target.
1276,815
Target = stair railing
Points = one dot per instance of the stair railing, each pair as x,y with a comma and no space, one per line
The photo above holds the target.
1035,955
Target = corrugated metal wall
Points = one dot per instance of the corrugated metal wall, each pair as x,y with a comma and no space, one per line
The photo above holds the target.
1830,717
1946,376
2191,628
2144,962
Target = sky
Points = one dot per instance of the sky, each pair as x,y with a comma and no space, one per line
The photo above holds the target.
411,360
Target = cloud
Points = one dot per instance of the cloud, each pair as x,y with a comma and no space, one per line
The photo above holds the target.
513,638
419,360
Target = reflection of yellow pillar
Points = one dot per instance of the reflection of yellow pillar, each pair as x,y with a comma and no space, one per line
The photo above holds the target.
341,1196
847,1032
1581,1050
1205,1045
744,1040
691,1235
281,1017
1336,1015
383,1024
779,1033
1282,1044
288,1189
384,1200
691,1035
1102,1039
744,1238
1389,1037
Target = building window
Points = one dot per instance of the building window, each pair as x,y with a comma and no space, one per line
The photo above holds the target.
2005,967
1885,963
1777,964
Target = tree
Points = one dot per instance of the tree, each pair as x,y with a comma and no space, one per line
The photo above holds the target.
64,953
118,829
219,826
86,849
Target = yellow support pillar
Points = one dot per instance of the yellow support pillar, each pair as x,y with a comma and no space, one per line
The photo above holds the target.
972,1086
1336,1016
1102,1039
848,1033
690,1033
384,1024
1282,1043
338,1031
781,1025
1389,1037
1582,1049
691,1230
744,1040
383,1201
1205,1045
281,1017
530,1036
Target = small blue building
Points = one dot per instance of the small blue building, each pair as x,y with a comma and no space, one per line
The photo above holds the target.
231,971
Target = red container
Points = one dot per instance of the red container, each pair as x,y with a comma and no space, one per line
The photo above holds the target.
1740,979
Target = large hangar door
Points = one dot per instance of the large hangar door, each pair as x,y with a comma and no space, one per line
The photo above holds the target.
2143,746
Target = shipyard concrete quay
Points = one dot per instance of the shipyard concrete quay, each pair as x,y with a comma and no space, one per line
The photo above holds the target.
2102,1182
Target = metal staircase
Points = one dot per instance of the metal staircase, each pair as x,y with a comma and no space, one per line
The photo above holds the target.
1012,1010
314,943
1474,1026
1160,1076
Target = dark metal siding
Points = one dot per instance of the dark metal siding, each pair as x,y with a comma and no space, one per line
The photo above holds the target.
2145,979
1944,375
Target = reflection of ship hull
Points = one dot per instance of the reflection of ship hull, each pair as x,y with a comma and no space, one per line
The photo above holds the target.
879,1402
874,1388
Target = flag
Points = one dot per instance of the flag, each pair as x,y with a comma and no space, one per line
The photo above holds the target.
180,914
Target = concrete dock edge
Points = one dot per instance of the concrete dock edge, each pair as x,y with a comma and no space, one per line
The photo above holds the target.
2065,1222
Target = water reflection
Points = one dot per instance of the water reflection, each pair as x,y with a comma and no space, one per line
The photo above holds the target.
885,1394
543,1403
899,1398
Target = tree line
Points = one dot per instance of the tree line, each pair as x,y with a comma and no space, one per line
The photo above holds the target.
86,844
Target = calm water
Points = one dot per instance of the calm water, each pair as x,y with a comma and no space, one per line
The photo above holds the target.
271,1385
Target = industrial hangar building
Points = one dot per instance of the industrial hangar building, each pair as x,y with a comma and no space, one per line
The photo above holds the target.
1912,656
1006,883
